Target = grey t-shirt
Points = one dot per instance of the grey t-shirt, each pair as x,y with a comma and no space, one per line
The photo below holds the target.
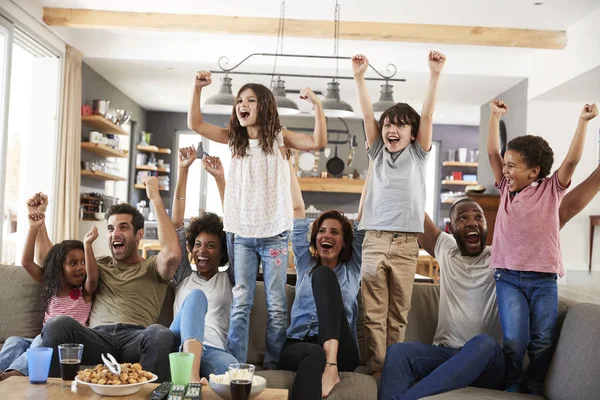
467,295
395,198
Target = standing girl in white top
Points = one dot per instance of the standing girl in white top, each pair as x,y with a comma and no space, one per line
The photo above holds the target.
257,206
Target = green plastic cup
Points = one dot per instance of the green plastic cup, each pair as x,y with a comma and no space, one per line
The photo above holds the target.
181,367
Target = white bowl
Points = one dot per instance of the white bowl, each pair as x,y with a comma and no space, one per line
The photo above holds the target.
116,390
224,392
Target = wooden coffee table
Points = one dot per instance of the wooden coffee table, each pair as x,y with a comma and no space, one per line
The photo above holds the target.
19,388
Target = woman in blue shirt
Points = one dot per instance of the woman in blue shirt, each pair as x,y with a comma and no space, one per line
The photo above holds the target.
321,338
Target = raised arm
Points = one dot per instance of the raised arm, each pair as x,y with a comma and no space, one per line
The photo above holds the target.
436,64
187,155
297,200
363,194
567,168
194,119
498,108
430,235
91,267
38,203
579,197
360,63
170,253
213,166
36,219
318,139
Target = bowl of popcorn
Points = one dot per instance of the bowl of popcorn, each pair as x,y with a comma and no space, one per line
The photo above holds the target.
105,383
220,385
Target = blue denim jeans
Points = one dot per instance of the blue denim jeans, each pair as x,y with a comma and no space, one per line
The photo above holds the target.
439,369
528,309
248,253
13,356
189,324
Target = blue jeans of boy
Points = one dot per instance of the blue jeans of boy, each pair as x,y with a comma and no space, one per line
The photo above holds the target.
248,253
13,356
439,369
189,324
528,309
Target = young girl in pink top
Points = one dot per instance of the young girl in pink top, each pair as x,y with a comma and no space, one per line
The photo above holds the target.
257,208
68,278
526,247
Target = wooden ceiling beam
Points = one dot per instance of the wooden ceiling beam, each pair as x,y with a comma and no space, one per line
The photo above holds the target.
350,30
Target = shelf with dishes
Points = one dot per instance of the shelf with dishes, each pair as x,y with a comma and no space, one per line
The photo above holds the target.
331,185
152,149
104,125
103,150
458,182
142,186
100,175
460,164
152,168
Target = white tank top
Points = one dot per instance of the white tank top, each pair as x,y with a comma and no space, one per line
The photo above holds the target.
258,202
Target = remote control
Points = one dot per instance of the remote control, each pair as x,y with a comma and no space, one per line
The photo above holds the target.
193,392
161,392
177,392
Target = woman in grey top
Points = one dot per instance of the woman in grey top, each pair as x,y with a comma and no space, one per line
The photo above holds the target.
203,297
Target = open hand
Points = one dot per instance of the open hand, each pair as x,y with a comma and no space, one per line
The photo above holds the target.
36,219
213,166
91,235
203,78
498,107
436,61
310,96
589,112
38,202
187,155
360,63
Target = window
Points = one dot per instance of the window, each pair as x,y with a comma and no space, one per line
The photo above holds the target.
29,133
205,196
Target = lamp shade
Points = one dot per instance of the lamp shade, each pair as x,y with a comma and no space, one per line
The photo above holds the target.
285,106
386,100
222,102
333,106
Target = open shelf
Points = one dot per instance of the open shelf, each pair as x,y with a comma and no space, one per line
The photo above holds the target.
103,125
331,185
151,168
101,176
153,149
103,150
459,164
142,186
459,183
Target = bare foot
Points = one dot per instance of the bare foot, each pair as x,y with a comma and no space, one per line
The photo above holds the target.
329,379
8,374
203,381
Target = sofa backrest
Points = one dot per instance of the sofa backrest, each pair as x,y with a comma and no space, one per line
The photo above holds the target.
19,304
574,370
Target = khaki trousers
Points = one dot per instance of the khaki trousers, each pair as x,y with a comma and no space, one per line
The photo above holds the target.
389,261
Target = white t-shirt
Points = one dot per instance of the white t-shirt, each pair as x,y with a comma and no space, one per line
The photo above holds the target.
467,295
258,203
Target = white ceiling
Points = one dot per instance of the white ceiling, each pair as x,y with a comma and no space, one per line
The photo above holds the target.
156,68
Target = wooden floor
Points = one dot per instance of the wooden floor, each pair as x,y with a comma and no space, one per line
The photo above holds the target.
580,286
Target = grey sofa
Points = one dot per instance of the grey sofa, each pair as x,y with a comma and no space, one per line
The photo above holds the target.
573,372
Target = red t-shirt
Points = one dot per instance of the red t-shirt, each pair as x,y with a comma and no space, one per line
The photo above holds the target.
526,234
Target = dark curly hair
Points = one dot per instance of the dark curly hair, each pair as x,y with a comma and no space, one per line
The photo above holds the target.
137,218
346,251
267,121
535,151
401,113
209,223
53,269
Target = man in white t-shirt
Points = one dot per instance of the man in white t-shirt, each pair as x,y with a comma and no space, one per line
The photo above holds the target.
466,350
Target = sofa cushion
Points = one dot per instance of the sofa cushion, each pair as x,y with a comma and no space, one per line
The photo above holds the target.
20,313
573,371
353,386
481,394
423,314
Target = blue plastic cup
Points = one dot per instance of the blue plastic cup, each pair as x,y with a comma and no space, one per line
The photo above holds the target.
38,364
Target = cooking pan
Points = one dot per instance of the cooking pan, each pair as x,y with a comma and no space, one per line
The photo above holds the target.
335,165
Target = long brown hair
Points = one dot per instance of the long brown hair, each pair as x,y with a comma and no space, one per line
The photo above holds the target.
346,251
267,121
